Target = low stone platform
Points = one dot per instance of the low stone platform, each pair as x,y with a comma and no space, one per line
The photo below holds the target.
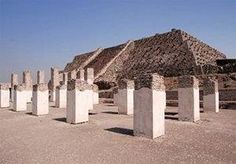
108,138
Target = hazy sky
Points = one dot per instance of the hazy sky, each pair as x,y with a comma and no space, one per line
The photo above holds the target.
38,34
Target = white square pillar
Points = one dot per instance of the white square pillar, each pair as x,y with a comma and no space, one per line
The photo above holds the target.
115,96
80,74
78,101
149,106
61,92
210,95
4,96
188,99
40,104
95,94
14,81
90,75
20,98
52,95
40,77
126,97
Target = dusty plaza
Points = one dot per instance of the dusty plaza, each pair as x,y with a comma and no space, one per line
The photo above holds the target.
108,138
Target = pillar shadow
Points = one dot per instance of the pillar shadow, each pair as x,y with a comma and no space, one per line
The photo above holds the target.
171,118
121,131
92,113
62,119
171,113
110,112
29,113
109,105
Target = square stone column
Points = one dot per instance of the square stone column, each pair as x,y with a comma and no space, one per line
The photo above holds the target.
78,102
40,103
188,98
40,77
55,81
72,75
20,97
4,95
90,75
61,92
149,106
65,78
115,96
27,80
14,81
126,97
95,94
210,95
80,74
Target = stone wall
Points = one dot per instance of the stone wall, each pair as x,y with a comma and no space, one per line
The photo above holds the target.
169,54
103,58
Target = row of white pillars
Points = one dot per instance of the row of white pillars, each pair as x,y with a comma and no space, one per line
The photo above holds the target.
148,101
61,90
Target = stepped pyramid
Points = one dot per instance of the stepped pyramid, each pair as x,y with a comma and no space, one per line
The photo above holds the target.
170,54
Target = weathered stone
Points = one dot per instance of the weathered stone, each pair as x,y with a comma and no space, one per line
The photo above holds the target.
188,99
90,75
4,95
61,99
40,103
210,95
80,74
79,101
27,80
152,81
149,107
40,77
188,82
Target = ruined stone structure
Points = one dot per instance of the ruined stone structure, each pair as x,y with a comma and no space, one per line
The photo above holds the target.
169,54
40,77
40,103
14,81
4,95
149,106
126,96
78,101
188,98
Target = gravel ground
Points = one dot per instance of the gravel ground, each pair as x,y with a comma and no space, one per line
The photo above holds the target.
107,138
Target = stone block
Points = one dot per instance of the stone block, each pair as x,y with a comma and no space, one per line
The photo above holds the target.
40,77
78,101
61,92
188,99
14,81
149,106
210,95
4,95
40,103
95,94
126,97
20,98
90,75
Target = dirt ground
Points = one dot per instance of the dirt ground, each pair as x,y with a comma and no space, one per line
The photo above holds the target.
107,138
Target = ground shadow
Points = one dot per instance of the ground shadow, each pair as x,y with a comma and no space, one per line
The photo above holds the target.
110,112
110,105
121,131
29,113
62,119
92,113
171,118
171,113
